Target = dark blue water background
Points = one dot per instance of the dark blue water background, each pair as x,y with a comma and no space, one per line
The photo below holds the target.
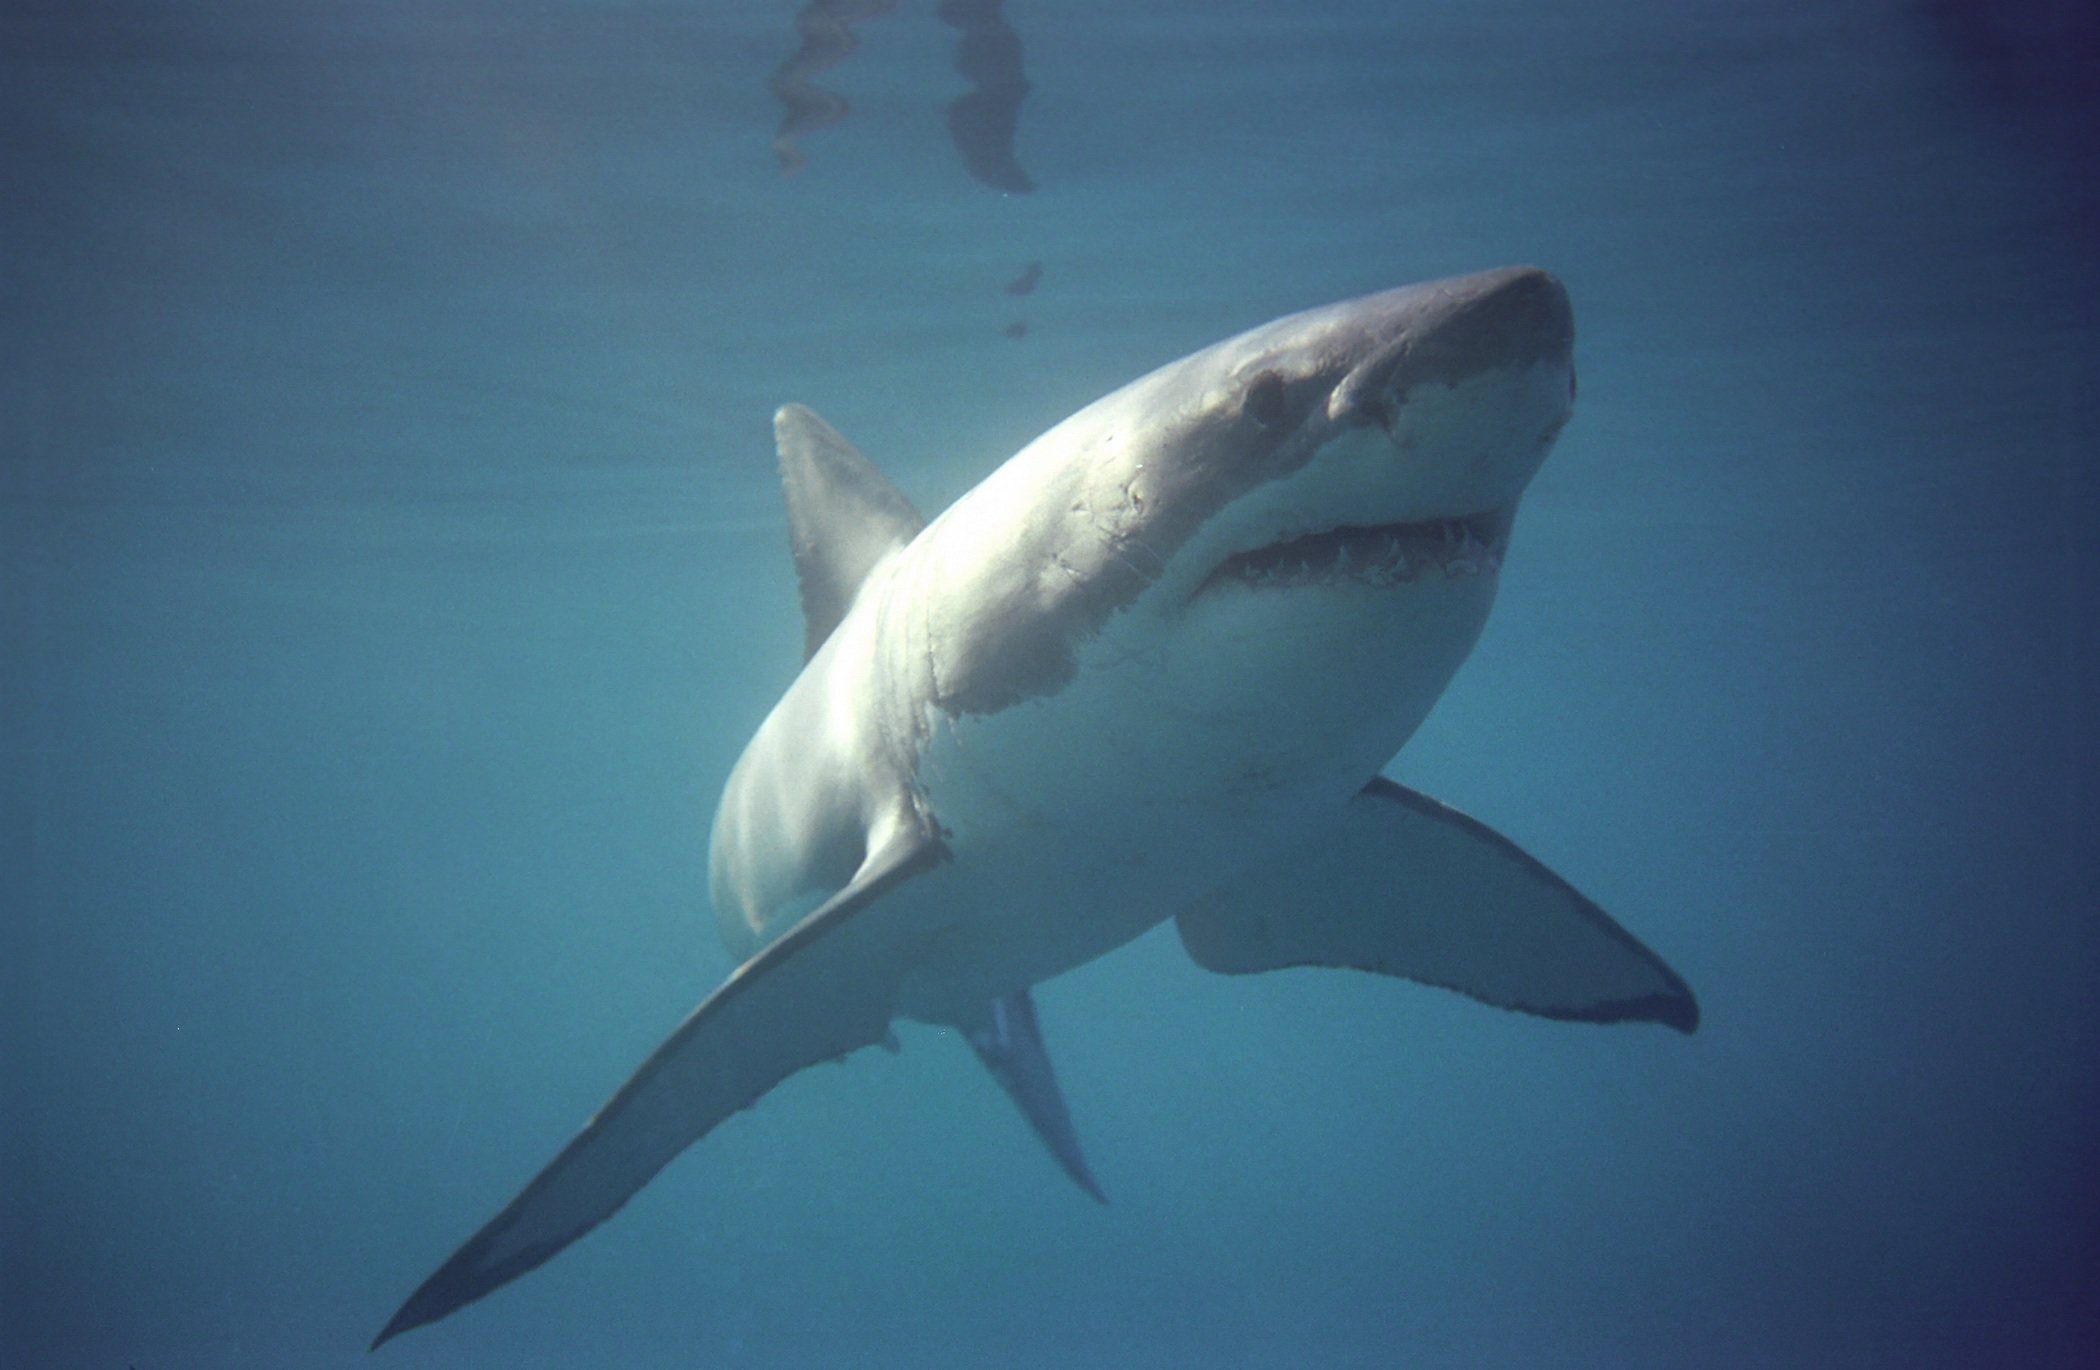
393,567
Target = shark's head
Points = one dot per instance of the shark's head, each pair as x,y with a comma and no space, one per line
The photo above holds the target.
1384,440
1351,466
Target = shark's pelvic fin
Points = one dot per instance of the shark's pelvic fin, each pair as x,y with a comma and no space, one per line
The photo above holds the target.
1009,1040
1407,886
843,517
821,991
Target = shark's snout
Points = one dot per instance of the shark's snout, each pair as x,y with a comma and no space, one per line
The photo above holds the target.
1515,316
1450,332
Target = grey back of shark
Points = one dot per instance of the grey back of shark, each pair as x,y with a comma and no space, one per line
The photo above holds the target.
1150,668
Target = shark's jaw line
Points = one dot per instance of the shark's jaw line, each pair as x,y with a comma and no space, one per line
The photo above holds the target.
1381,555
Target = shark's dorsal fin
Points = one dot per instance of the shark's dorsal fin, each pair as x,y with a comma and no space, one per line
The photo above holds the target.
843,517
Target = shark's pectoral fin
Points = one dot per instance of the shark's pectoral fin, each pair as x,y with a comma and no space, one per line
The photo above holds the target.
821,991
1009,1041
1406,886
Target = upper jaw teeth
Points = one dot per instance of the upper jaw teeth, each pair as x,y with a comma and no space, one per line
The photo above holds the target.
1385,554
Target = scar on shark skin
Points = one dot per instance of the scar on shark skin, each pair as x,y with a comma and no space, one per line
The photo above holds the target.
826,27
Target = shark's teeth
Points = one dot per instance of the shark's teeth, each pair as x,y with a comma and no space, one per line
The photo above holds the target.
1383,554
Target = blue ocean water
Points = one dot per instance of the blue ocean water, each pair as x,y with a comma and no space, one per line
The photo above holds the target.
392,566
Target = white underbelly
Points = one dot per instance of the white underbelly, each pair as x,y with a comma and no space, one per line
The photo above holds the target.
1173,761
1029,895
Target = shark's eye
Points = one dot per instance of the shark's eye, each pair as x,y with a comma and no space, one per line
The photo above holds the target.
1264,400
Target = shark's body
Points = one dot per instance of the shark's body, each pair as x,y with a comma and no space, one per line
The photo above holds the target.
1149,669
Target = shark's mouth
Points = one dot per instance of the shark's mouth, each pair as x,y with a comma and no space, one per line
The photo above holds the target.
1379,554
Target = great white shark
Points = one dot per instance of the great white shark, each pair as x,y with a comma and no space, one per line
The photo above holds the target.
1150,668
